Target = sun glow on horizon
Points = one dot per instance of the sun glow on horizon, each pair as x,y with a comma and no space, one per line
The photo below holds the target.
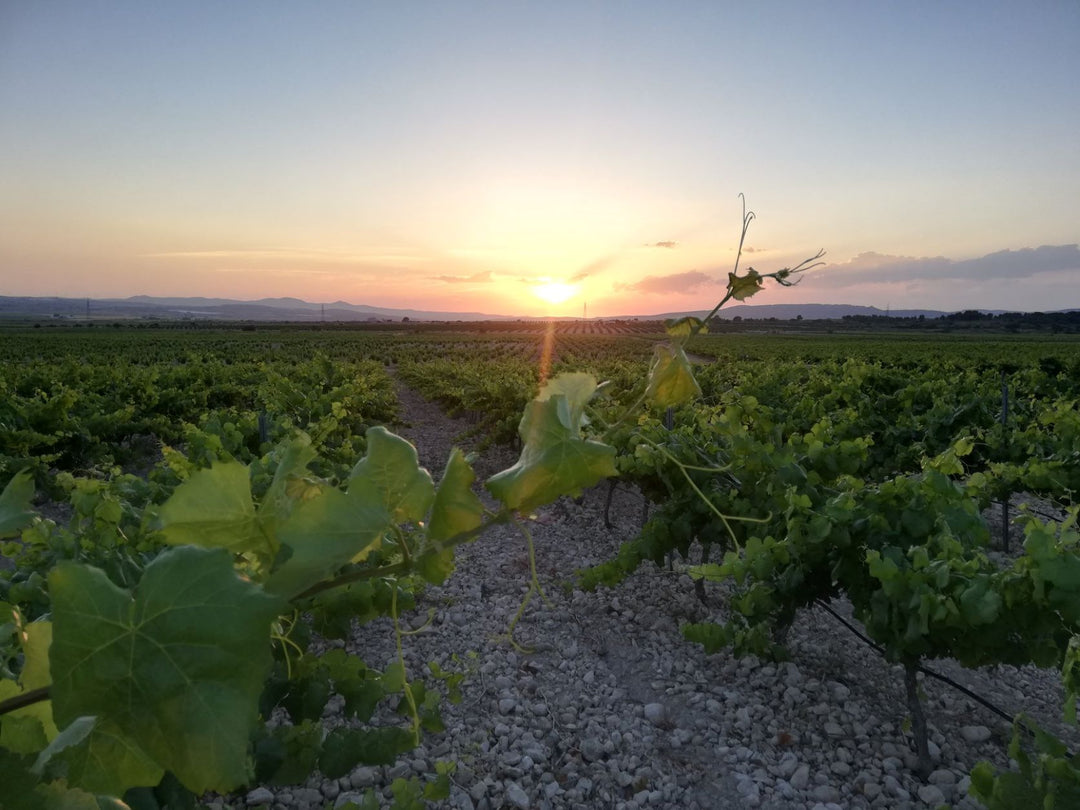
554,292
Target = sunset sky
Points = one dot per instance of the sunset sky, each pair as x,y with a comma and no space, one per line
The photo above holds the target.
485,157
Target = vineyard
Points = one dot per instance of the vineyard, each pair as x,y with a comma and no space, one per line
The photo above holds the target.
747,570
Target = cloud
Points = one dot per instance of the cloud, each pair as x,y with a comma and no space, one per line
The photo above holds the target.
667,243
475,278
749,249
878,268
287,254
674,283
593,268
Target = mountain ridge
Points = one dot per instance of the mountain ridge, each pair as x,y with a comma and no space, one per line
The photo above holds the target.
297,310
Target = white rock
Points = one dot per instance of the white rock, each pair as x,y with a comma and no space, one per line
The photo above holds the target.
792,675
260,795
894,788
788,764
942,776
826,793
517,796
932,795
655,713
801,778
975,734
355,798
459,799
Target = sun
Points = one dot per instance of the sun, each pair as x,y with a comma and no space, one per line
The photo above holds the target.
554,292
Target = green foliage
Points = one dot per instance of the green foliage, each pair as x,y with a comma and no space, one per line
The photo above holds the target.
671,381
15,503
1047,777
172,672
555,460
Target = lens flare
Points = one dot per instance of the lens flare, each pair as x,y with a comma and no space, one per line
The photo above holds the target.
546,351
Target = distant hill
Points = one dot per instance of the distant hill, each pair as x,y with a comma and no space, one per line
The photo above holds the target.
296,310
223,309
812,312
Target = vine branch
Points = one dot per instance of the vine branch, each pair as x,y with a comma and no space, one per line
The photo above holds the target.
13,704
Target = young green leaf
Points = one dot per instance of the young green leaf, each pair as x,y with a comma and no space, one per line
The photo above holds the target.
392,467
295,455
685,326
214,509
29,729
15,512
576,390
177,666
456,509
554,461
105,761
328,531
671,381
345,748
742,287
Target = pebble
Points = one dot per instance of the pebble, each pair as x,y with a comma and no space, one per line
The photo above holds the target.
801,778
260,795
655,713
826,793
942,777
975,734
517,797
788,763
932,795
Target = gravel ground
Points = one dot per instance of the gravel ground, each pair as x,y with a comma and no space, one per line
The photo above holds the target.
612,709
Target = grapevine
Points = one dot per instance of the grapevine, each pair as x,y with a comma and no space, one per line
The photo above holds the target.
288,516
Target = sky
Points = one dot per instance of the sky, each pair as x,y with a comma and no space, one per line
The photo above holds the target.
542,158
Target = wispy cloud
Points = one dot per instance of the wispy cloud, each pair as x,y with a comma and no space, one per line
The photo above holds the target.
299,272
289,255
667,243
878,268
593,268
476,278
674,283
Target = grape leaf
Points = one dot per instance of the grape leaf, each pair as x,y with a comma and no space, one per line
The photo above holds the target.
18,783
177,666
15,512
742,287
576,390
20,731
391,466
29,729
980,603
327,532
683,327
107,761
214,509
671,381
554,461
456,508
295,455
345,748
